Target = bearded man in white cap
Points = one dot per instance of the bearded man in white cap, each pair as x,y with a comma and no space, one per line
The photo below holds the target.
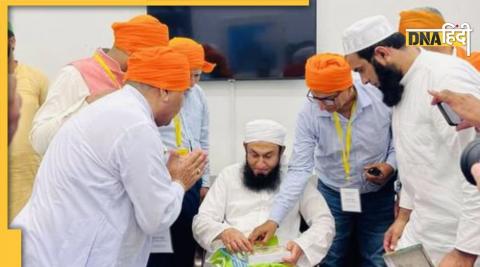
438,207
243,193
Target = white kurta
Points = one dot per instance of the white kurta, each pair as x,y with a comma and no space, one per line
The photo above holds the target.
195,133
102,189
66,96
446,209
231,204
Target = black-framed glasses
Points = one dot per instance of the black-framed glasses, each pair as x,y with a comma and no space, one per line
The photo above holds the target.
328,100
195,75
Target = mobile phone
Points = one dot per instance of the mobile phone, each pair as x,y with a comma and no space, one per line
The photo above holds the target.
374,171
450,116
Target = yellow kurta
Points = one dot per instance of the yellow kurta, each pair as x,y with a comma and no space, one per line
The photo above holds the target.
23,161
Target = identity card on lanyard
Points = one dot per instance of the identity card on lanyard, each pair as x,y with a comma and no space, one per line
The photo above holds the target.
350,197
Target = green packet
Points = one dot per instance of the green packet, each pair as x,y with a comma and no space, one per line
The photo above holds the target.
223,258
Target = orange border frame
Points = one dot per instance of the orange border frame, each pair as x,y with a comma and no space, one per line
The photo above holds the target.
10,240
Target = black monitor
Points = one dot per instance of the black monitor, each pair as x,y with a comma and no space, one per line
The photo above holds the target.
247,43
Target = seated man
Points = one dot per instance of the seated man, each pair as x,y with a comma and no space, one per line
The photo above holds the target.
242,195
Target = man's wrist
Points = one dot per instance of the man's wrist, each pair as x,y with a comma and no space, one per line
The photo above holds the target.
389,169
401,221
397,186
403,216
220,235
226,231
391,165
470,258
178,181
273,222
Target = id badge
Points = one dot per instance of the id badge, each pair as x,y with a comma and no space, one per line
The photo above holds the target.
350,198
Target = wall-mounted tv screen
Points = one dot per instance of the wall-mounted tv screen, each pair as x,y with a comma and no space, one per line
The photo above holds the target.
247,43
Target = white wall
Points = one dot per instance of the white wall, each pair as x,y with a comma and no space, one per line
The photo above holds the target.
50,37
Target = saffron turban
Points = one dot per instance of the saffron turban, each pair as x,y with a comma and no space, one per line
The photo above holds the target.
473,59
328,73
416,19
159,67
266,131
194,52
419,19
140,32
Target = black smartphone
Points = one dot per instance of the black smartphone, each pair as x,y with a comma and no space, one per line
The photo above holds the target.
450,116
374,171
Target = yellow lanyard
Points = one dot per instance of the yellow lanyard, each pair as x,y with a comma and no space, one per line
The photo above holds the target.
347,145
107,70
178,130
177,122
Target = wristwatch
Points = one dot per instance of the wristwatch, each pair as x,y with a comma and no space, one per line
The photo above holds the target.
397,185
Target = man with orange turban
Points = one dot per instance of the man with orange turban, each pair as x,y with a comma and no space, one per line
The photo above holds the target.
105,186
192,122
343,133
431,18
84,81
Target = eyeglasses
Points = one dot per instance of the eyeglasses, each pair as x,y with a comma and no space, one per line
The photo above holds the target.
328,100
195,75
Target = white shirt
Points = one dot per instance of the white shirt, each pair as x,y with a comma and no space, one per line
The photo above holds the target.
102,189
229,203
195,133
446,209
66,96
195,123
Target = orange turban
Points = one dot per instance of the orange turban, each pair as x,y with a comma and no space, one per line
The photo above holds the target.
139,32
416,19
473,59
159,67
194,53
328,73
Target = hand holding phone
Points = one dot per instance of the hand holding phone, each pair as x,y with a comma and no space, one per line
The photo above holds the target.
378,173
374,171
450,116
